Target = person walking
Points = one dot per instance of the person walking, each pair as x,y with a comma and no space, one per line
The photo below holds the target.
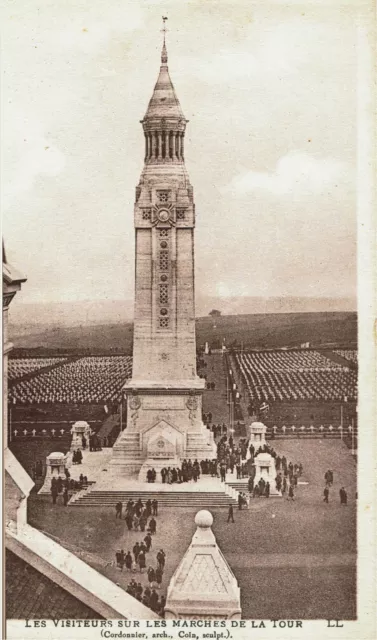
158,574
118,510
343,496
151,576
230,514
128,561
121,559
136,551
161,559
152,526
148,541
291,495
141,561
326,495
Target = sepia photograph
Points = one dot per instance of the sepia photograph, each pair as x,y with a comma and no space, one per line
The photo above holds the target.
188,300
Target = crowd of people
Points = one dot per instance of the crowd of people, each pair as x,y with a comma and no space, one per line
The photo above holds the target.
88,380
148,596
141,516
76,456
66,486
295,375
137,515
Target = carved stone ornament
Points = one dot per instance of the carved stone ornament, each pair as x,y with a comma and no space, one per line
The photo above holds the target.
135,403
192,403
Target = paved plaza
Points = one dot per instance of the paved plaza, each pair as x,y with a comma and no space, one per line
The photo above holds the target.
292,560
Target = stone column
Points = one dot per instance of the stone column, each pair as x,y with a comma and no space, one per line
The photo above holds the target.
154,144
178,149
182,146
159,145
173,150
203,585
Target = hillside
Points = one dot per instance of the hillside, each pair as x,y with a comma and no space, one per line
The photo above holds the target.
258,330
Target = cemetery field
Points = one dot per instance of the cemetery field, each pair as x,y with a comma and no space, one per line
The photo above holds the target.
291,560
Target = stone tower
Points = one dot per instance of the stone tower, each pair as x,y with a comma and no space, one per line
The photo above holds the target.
164,396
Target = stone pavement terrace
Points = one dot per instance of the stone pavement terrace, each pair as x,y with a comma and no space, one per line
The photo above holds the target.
292,560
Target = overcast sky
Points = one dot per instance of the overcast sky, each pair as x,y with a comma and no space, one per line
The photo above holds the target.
269,90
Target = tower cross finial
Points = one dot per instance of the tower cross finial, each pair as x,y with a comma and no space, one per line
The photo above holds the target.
164,53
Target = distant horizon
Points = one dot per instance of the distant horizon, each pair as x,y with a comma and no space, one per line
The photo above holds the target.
115,312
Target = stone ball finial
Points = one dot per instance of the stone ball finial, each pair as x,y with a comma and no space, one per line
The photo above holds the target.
204,519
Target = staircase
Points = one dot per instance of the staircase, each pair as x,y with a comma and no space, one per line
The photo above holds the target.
109,425
238,485
184,499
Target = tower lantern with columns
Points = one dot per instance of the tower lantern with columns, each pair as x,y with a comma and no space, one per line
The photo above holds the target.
164,396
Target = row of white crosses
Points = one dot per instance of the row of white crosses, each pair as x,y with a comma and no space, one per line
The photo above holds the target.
84,381
311,428
292,376
34,432
18,367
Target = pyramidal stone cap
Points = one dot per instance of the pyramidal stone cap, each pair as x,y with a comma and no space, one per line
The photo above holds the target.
164,102
203,585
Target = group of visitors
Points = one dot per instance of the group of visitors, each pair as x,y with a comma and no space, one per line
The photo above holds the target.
66,486
137,515
329,481
77,456
188,471
151,475
149,597
60,486
94,443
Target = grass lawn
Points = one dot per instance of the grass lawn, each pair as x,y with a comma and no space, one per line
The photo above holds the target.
292,560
